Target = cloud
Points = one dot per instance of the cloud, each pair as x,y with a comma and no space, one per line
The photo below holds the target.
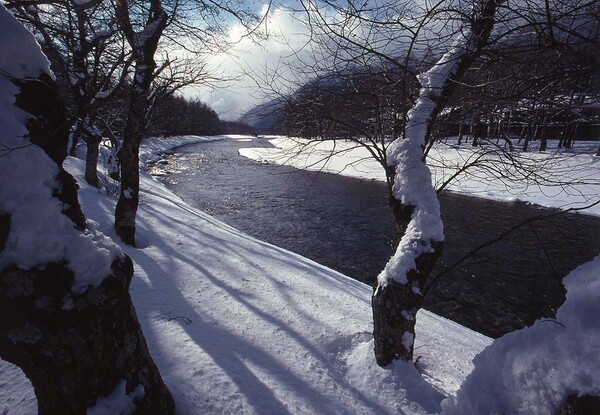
258,68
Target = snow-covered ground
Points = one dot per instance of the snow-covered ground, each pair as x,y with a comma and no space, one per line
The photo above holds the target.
560,178
238,326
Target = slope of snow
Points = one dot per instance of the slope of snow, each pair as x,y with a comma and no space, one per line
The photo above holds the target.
238,326
567,178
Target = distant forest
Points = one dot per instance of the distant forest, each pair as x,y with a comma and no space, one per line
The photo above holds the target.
170,113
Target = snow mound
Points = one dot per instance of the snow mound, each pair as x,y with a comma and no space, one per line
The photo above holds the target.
533,370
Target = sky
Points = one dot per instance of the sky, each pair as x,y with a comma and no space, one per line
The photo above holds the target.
252,63
264,69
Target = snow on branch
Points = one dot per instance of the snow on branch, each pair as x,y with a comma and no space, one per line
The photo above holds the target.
412,185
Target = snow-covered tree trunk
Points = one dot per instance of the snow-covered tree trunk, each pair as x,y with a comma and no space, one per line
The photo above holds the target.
398,293
66,317
143,46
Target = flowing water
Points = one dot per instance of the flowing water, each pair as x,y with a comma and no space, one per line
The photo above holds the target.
345,224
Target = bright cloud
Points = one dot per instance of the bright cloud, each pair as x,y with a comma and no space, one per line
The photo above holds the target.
258,68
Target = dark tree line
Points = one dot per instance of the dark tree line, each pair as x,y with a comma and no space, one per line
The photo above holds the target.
176,115
538,79
521,95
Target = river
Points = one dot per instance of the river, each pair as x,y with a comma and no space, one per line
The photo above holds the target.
345,224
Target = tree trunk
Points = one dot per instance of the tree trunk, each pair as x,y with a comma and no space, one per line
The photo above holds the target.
113,167
508,141
74,142
543,142
581,405
398,295
75,343
129,158
395,305
73,356
91,161
571,136
542,133
528,134
143,51
566,137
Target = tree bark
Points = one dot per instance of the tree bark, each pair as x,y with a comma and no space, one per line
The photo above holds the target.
75,346
129,159
145,64
114,171
580,405
395,305
528,134
91,161
74,356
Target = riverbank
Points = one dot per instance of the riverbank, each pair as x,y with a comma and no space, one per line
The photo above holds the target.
238,326
505,287
556,178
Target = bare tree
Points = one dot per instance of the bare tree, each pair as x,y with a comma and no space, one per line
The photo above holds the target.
194,25
143,43
382,37
378,39
71,329
90,58
398,294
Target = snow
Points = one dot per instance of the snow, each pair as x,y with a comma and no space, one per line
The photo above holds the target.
236,325
156,22
152,149
412,182
567,178
269,331
239,326
533,370
119,402
20,54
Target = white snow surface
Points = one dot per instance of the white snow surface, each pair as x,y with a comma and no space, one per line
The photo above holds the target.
152,148
567,178
20,55
269,331
533,370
